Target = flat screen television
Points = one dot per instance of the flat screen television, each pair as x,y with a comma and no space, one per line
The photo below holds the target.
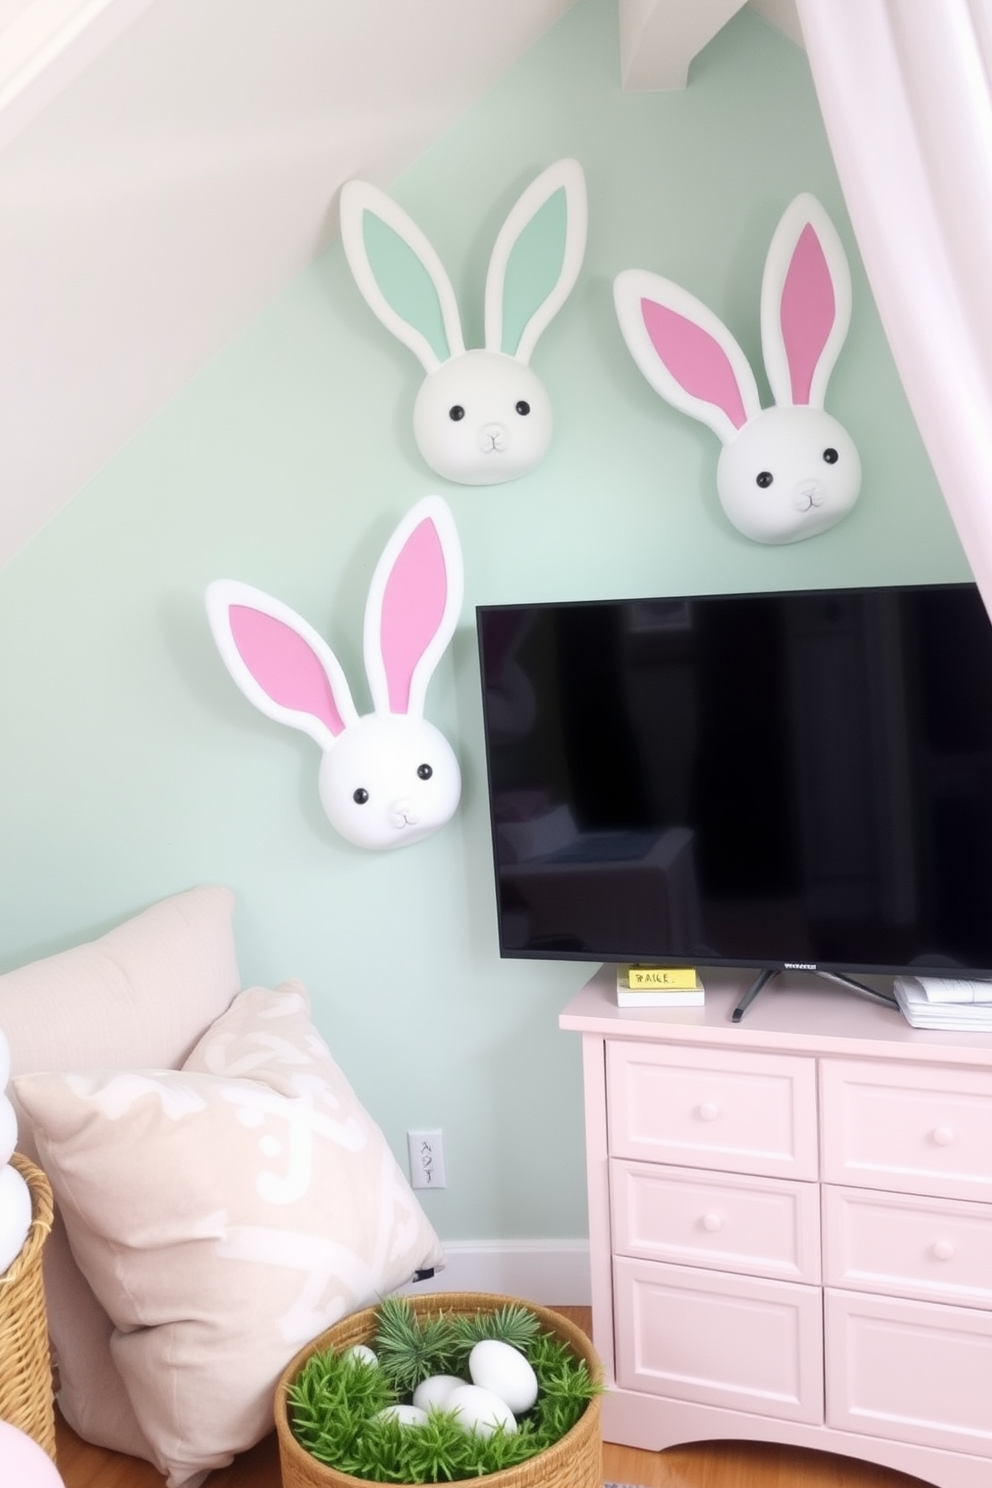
777,780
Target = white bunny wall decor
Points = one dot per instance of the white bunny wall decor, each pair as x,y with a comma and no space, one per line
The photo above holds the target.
481,416
387,778
789,471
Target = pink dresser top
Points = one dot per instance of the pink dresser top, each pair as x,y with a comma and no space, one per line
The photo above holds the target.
793,1012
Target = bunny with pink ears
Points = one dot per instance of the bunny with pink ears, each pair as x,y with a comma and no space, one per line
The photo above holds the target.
785,472
387,778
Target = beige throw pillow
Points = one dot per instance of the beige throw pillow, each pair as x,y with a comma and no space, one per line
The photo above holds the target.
142,994
224,1215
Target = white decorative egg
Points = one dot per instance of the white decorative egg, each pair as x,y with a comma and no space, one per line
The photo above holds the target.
406,1415
360,1353
8,1129
15,1215
479,1410
435,1390
501,1368
4,1060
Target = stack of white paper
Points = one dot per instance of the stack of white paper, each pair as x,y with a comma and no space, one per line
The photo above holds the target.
944,1002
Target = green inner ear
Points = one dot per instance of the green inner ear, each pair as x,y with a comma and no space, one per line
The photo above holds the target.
534,267
404,282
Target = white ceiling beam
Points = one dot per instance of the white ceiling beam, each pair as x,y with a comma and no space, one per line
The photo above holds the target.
659,39
783,15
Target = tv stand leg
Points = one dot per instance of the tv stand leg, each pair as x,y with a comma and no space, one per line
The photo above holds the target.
751,994
886,998
871,993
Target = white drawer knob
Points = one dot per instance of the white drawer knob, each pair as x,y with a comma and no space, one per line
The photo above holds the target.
709,1111
943,1250
943,1135
712,1222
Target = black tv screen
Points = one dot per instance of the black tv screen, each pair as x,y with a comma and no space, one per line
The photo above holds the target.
767,780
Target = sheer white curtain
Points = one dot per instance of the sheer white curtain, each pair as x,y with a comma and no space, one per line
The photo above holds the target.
904,87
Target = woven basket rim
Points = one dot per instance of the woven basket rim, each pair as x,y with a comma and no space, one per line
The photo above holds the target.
539,1467
26,1394
42,1215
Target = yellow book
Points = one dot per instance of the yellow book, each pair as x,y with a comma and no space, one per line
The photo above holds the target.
658,978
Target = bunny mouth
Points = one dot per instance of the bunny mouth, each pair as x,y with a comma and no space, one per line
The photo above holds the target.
492,439
808,495
403,815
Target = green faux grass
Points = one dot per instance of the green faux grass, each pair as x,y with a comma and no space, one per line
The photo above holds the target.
334,1397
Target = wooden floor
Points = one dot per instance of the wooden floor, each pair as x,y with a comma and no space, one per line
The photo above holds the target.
709,1465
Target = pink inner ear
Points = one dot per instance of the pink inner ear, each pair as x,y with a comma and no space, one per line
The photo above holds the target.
808,311
283,665
695,359
412,609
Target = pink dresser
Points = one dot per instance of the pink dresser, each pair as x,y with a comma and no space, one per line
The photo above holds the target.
791,1225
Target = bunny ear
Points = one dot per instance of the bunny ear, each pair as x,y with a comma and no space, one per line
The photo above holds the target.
413,606
399,274
536,259
279,662
686,352
805,303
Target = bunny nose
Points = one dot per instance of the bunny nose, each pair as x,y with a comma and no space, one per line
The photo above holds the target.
403,814
806,495
492,439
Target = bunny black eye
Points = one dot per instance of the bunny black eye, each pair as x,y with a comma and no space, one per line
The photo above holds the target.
360,796
831,456
523,408
425,772
456,412
764,478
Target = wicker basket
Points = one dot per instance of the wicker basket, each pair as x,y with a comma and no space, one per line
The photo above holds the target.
573,1462
26,1396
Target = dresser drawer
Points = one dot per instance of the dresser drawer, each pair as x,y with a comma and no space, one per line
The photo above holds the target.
937,1249
758,1226
712,1108
909,1371
731,1341
910,1128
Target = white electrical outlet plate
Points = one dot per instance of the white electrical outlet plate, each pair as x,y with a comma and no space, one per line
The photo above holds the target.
426,1152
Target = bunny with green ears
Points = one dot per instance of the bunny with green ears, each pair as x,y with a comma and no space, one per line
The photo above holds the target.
481,416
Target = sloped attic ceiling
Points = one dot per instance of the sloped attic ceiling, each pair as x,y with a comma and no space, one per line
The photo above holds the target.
166,166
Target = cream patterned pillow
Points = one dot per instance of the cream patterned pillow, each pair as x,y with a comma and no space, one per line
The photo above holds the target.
224,1214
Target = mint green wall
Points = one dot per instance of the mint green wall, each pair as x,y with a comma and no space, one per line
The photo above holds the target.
133,768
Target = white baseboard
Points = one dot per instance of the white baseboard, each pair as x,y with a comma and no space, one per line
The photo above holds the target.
547,1272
